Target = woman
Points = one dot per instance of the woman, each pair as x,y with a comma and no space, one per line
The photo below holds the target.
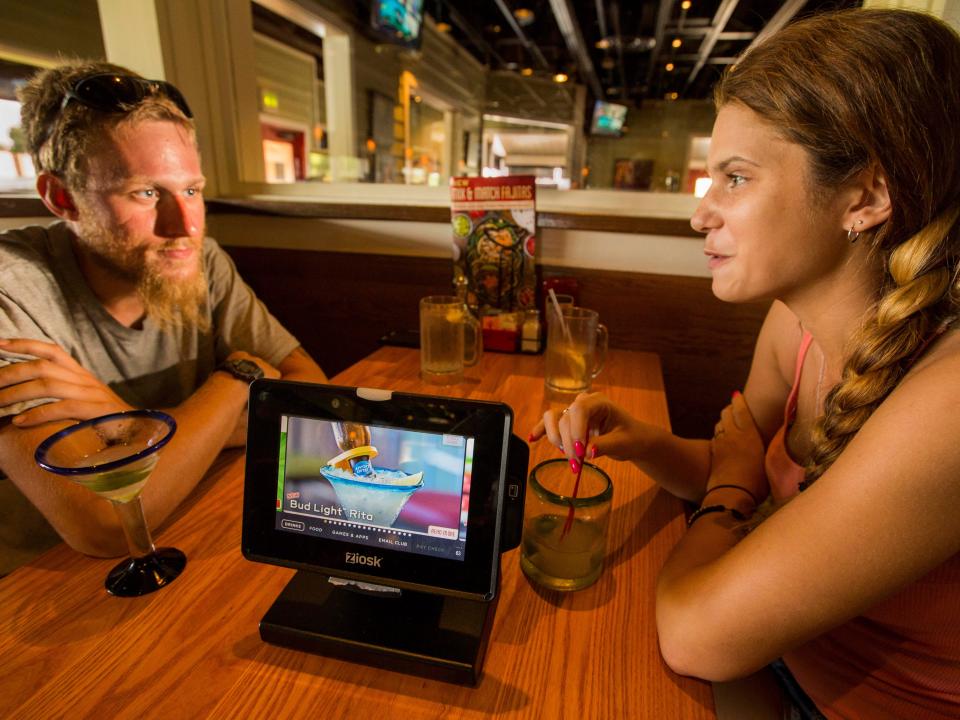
835,161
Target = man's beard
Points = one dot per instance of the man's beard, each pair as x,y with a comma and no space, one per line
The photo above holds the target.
170,303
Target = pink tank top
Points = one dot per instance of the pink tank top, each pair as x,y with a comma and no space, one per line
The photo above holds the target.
899,660
783,473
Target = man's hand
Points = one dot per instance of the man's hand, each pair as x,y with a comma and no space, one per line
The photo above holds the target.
54,374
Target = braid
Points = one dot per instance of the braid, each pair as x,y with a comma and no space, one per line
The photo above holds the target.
918,295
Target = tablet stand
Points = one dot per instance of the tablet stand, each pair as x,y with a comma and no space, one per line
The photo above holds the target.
435,636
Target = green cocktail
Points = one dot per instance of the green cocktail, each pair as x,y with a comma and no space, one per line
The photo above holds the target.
113,456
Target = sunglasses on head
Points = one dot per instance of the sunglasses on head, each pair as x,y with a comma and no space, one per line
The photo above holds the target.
113,93
109,92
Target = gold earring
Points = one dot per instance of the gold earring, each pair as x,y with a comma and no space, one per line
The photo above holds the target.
852,234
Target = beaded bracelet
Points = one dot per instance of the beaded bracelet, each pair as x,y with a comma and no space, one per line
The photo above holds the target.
707,509
734,487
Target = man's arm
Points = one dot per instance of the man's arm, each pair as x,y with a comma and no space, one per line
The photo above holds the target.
87,523
298,365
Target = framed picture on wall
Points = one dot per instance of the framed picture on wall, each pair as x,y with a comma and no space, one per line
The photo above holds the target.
630,174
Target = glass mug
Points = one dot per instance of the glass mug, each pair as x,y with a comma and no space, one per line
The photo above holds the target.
450,339
558,551
576,350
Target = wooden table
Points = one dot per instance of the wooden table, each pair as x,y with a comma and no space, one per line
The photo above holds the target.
192,650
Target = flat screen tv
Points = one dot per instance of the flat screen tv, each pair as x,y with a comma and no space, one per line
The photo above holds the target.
608,119
398,21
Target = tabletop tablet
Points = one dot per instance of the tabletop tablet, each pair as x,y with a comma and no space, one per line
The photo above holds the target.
401,490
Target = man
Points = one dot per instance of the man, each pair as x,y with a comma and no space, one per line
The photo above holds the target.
123,303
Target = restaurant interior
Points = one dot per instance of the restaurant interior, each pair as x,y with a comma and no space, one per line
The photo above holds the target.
329,137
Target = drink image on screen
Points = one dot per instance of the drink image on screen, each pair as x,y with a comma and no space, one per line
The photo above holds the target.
113,456
367,494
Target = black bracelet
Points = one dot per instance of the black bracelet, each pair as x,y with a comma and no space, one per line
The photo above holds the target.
707,509
734,487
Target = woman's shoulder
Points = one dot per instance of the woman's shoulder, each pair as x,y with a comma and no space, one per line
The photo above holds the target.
780,338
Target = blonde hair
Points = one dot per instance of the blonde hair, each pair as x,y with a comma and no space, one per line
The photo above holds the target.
872,88
61,137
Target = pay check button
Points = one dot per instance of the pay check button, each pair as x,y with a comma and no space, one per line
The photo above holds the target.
292,525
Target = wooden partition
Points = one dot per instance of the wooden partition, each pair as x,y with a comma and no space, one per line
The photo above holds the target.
340,304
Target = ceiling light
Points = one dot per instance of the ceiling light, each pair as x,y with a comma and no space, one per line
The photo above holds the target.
524,16
685,5
443,27
526,72
677,42
494,28
673,96
561,77
417,99
607,63
669,67
602,44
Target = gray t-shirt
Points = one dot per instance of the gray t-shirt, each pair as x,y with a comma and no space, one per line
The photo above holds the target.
43,295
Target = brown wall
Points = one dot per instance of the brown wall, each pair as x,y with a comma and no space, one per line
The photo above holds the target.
340,304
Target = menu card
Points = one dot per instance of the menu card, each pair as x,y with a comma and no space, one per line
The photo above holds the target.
494,251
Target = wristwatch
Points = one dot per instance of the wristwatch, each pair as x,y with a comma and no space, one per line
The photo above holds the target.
242,369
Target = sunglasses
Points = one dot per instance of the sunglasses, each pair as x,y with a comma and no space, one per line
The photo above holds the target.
112,93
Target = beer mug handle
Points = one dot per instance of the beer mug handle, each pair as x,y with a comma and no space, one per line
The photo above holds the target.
600,358
472,339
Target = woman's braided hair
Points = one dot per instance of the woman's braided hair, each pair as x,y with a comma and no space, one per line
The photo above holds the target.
860,89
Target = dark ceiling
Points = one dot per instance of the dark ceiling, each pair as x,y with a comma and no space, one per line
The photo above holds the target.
622,51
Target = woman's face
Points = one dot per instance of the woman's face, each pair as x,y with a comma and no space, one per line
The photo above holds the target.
766,236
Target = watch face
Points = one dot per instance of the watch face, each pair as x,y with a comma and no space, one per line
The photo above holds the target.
244,369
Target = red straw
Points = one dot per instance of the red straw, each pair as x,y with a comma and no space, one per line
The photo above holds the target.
576,486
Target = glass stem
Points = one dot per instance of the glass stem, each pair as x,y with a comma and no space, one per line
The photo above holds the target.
135,527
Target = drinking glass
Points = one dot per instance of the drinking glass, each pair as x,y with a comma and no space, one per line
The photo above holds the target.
113,456
576,350
556,553
450,339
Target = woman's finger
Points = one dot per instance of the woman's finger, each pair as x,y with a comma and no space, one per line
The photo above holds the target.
551,428
538,432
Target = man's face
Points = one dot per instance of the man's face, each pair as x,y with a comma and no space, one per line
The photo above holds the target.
142,215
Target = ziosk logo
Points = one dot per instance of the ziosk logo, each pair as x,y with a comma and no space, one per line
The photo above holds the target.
358,559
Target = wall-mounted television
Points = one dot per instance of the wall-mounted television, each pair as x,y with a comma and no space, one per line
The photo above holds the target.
608,119
398,21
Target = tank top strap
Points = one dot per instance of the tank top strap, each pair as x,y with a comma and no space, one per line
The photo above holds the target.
790,409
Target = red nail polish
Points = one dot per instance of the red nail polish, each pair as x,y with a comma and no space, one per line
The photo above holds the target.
593,452
574,466
530,437
736,394
579,449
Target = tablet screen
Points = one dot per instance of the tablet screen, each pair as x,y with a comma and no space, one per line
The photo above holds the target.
410,491
374,485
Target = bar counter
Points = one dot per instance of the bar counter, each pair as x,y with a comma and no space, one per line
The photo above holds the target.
192,650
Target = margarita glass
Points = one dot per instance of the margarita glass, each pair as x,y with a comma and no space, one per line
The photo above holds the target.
113,456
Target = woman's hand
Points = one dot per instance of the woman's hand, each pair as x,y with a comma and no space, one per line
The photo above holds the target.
593,426
76,393
738,451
